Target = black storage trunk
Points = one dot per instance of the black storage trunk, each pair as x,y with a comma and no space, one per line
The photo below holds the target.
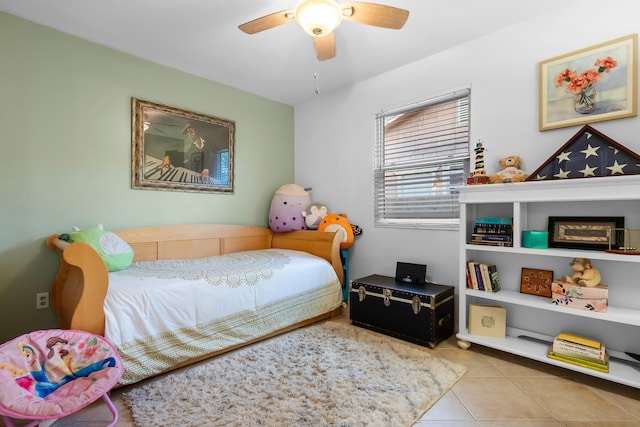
420,313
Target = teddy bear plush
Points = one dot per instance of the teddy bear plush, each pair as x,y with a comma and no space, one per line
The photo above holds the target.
583,273
510,171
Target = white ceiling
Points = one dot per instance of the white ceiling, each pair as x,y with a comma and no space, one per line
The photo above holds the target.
201,37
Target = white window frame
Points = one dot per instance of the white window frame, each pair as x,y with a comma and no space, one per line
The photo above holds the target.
417,161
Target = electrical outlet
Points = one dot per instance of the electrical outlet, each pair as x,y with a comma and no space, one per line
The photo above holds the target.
42,300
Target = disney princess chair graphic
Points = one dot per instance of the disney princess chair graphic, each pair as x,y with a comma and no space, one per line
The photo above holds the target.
50,374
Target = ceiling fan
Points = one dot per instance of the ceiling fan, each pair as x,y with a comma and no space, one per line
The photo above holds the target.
320,17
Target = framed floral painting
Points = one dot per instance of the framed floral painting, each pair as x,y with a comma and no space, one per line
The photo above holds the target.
590,85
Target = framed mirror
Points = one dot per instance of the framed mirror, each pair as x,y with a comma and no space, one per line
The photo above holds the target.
180,150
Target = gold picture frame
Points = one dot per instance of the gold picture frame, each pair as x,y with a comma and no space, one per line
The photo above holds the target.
590,85
180,150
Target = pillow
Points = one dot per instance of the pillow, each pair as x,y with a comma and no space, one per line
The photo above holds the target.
115,252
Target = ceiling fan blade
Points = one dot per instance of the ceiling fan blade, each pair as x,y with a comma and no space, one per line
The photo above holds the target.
378,15
325,47
268,21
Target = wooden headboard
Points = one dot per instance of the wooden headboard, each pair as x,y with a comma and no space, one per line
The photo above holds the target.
194,240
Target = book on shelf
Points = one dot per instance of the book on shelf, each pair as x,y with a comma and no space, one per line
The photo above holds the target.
482,276
494,276
473,279
482,286
486,279
575,350
574,345
479,281
491,237
471,275
491,243
602,367
493,229
469,279
494,220
579,339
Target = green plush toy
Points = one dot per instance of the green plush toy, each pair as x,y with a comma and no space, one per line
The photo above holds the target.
115,252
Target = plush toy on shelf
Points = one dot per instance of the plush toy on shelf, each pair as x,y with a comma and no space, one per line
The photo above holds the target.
510,171
583,273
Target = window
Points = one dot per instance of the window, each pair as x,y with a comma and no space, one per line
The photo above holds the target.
222,166
421,158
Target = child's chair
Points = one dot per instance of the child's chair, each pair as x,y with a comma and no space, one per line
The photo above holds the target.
50,374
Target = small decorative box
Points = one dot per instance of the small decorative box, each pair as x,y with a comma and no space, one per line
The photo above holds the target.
535,239
579,303
581,292
473,180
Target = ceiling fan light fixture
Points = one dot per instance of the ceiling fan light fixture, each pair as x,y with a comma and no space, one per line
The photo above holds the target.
318,17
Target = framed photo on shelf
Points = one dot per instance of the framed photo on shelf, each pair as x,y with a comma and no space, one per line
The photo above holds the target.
585,232
536,282
590,85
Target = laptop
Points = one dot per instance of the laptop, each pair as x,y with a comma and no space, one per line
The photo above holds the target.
411,273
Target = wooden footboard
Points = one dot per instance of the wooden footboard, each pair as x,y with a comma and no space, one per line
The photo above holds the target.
81,283
80,287
322,244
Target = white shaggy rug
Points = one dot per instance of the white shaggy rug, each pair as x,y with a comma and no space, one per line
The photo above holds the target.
327,374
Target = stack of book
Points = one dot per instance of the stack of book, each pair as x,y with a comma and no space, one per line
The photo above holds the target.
581,351
494,231
482,276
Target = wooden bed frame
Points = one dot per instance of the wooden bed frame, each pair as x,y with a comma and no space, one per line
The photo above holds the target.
81,283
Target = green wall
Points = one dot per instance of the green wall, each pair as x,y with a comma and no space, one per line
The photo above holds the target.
65,121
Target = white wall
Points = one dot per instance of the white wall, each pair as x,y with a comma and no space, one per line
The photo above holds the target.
335,133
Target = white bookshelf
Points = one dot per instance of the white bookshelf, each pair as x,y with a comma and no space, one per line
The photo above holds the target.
533,321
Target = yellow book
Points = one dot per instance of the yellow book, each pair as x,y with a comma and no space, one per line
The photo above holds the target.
602,367
567,336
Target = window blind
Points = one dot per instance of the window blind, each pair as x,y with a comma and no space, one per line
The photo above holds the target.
421,158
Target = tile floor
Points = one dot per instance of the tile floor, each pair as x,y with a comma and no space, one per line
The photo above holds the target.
498,390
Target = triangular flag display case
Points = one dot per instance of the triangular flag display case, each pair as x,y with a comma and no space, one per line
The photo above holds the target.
589,153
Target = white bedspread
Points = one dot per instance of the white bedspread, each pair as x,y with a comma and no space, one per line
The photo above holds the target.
186,307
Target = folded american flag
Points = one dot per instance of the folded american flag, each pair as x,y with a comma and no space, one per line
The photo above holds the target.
588,154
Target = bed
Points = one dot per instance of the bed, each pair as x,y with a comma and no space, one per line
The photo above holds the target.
197,290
